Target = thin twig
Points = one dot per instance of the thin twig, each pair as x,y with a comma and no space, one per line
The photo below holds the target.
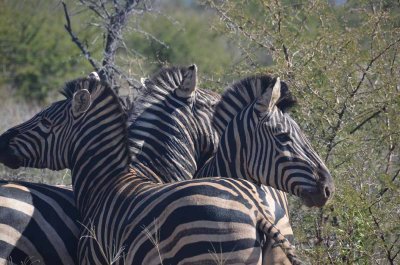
76,40
366,120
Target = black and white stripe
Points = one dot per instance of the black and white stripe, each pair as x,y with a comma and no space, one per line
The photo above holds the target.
262,143
37,224
171,128
106,192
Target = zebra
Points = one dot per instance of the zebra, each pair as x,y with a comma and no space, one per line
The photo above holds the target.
111,144
237,120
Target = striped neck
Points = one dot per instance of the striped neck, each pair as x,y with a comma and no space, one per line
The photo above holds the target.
100,153
231,158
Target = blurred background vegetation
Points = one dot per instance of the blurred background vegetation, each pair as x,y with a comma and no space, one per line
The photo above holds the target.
340,58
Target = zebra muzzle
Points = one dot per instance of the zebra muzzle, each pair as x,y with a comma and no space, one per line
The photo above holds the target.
7,155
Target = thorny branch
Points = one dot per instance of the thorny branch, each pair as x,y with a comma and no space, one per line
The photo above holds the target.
76,40
114,23
389,255
241,29
373,115
338,125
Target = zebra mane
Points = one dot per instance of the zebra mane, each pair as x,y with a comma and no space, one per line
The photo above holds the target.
73,86
158,86
242,93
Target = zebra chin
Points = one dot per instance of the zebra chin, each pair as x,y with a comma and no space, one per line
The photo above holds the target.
10,160
8,156
314,198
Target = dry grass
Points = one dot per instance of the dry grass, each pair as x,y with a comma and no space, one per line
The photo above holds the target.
110,253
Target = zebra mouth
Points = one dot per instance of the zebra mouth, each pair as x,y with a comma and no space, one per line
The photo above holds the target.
9,159
313,198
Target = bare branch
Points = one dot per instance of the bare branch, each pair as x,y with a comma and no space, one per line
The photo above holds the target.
384,190
241,29
76,40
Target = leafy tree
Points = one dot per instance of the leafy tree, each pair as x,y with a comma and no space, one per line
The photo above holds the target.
342,63
36,54
178,35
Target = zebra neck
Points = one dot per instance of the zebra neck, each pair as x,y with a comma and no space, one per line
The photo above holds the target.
99,167
146,173
210,168
166,168
230,159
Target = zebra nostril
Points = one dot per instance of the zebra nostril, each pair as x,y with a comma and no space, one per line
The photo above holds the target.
327,192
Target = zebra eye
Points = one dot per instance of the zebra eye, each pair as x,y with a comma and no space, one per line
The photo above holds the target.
46,123
283,138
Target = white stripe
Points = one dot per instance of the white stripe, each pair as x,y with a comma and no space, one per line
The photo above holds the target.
13,237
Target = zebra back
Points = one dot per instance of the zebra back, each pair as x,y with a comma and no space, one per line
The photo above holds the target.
37,224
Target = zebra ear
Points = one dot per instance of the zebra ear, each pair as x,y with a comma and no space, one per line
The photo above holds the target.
189,83
143,81
94,75
270,97
81,102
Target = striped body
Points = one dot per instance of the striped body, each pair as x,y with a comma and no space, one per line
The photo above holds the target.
37,224
188,222
45,208
111,149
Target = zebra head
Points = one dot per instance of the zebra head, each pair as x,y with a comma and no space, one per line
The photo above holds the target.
56,136
265,145
171,129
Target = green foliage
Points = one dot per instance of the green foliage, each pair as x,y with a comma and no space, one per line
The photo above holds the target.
342,63
36,54
179,36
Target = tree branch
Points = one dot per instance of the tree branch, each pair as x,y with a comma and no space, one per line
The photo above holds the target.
388,249
76,40
341,113
366,120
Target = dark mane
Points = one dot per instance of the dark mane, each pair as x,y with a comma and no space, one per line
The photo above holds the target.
242,93
287,100
73,86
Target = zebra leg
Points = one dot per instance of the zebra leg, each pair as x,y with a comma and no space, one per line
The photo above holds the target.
273,254
278,240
